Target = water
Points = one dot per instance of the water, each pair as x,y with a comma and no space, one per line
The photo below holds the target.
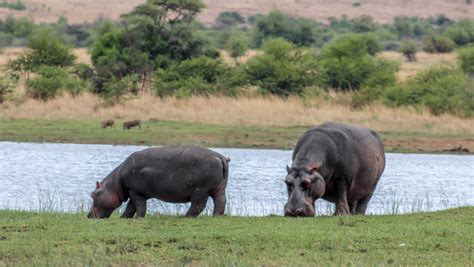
60,177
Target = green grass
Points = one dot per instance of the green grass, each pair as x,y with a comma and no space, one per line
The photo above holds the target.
171,132
442,238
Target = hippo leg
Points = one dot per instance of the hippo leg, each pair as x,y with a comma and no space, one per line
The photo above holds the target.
140,204
219,204
198,203
362,204
342,207
130,210
353,207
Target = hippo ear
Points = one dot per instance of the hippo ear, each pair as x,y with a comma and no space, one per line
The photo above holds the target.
97,185
288,169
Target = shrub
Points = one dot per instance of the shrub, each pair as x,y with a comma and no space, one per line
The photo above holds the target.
237,46
50,81
373,88
440,89
438,44
466,60
197,76
114,90
363,23
15,5
7,84
283,69
347,63
226,20
5,39
44,49
299,31
462,33
409,49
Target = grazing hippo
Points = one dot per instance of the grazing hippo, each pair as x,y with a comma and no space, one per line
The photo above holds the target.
340,163
107,123
130,124
176,174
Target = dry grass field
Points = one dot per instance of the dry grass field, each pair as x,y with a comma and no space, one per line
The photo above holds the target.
254,111
382,10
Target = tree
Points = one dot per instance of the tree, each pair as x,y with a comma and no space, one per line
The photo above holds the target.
154,35
45,49
409,49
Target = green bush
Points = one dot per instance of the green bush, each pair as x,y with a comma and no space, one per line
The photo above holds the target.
348,63
197,76
5,39
282,69
226,20
438,44
363,23
15,5
299,31
466,60
114,90
462,33
409,49
44,49
50,81
237,46
373,88
440,89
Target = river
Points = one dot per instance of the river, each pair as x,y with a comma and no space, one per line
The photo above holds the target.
60,177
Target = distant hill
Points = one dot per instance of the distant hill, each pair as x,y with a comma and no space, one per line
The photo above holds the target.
382,10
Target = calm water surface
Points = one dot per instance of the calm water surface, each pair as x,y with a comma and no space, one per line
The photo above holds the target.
60,177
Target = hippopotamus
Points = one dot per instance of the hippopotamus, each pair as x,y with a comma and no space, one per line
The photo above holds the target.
340,163
130,124
176,174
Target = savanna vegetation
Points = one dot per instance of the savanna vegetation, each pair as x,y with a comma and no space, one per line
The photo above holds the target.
160,46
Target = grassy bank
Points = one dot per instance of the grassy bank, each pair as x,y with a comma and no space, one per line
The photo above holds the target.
440,238
156,132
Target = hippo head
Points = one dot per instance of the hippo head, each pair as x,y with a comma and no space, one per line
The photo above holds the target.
104,201
304,186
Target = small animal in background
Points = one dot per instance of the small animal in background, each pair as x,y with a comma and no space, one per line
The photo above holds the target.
130,124
107,123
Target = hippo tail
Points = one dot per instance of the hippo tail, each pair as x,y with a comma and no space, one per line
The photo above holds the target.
225,166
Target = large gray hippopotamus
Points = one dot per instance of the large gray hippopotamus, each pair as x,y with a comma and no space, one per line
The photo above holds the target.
176,174
340,163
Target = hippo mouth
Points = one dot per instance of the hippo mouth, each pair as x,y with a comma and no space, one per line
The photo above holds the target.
306,211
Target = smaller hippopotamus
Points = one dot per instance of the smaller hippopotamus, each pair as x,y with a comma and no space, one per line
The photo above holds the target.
130,124
176,174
